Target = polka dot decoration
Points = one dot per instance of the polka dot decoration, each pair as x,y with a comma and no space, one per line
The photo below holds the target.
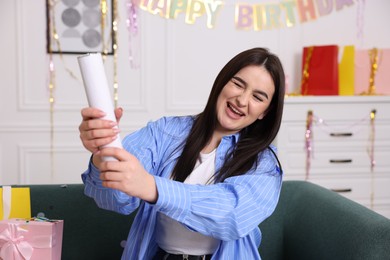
79,26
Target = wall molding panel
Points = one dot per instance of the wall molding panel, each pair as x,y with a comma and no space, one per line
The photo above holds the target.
172,69
37,159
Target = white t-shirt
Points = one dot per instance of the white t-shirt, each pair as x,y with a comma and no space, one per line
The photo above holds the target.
174,237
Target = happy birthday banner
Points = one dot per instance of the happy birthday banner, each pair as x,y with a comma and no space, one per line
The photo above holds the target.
246,16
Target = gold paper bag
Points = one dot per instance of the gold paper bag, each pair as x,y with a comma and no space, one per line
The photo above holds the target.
15,202
347,72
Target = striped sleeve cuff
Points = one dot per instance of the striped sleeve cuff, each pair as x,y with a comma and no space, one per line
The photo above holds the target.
92,175
173,198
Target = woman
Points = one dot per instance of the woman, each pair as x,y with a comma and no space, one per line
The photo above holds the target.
201,184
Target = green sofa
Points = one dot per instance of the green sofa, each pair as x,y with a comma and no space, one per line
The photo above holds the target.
309,223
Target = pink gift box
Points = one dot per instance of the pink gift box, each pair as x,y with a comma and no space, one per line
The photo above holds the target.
30,240
363,71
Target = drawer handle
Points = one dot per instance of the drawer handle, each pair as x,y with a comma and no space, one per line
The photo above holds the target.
340,134
340,161
342,190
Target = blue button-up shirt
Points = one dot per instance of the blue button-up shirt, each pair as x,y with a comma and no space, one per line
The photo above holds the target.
229,211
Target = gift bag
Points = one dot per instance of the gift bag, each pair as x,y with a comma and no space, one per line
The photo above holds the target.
30,239
347,71
372,71
320,70
15,202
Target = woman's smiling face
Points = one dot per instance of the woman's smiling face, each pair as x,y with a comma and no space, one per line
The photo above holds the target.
244,99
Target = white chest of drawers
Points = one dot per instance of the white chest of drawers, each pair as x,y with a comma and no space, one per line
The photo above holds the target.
344,144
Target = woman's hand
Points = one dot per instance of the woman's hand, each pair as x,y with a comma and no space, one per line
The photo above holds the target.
127,174
95,131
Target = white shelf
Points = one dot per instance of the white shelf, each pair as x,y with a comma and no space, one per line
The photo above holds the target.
335,99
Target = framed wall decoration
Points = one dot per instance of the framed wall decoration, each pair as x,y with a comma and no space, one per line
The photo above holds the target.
79,26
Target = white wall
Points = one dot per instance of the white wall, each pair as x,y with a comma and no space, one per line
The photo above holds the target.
178,65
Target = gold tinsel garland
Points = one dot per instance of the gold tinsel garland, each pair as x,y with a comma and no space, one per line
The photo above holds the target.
115,49
52,82
374,67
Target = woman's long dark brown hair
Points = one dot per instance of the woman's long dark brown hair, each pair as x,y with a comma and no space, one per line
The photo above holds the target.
254,139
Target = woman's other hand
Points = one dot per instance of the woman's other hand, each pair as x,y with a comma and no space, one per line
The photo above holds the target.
126,174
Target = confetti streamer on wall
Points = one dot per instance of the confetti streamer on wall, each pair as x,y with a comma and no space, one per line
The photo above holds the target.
370,151
360,20
52,83
308,142
103,21
115,50
132,24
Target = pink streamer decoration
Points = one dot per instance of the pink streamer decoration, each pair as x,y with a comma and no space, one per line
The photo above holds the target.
133,29
372,140
371,155
360,20
308,143
51,65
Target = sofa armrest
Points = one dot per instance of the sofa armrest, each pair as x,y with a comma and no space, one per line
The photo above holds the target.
321,224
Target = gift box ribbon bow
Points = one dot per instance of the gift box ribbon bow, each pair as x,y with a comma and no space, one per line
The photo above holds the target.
13,244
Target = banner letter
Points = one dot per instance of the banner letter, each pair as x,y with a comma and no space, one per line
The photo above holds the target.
324,7
340,3
304,9
290,17
243,16
195,9
177,6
